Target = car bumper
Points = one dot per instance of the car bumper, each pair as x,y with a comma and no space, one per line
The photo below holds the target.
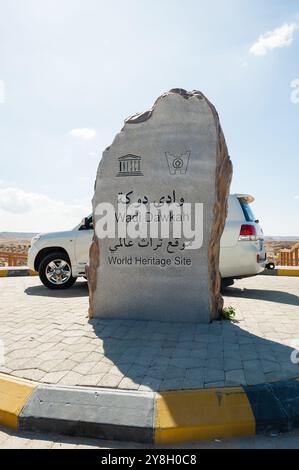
32,253
241,260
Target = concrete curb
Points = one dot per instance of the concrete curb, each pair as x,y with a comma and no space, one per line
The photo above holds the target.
14,394
281,272
17,272
149,417
109,414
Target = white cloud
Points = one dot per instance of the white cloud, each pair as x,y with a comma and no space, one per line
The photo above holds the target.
92,154
279,37
33,212
296,197
83,133
295,92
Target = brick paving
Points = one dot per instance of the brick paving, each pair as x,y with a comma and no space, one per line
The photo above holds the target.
48,338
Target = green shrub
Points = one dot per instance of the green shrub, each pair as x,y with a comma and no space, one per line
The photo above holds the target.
228,313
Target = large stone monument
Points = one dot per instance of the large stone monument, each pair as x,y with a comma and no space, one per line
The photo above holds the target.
172,156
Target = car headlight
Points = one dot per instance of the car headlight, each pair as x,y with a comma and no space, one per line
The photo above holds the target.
35,238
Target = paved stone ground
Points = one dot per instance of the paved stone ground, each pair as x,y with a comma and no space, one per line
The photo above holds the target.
29,440
47,337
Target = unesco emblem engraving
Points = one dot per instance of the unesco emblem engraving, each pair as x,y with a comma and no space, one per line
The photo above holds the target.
129,165
177,163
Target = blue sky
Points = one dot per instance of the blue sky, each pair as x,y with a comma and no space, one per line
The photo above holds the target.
72,70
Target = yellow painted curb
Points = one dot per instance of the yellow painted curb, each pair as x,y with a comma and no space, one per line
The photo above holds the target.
190,415
28,272
13,395
288,272
32,272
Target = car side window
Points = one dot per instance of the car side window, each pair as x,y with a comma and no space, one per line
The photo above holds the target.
247,211
89,223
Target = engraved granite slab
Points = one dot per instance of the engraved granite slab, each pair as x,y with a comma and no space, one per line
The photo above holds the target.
174,153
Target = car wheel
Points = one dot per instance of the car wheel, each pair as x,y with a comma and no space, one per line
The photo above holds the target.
55,271
270,266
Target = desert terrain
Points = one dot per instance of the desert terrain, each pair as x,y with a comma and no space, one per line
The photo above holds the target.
16,243
274,245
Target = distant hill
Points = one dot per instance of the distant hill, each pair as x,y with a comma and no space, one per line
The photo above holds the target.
17,235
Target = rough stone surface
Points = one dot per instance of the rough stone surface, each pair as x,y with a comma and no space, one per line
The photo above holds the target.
181,129
45,334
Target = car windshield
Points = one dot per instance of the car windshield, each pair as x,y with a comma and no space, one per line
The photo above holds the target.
247,211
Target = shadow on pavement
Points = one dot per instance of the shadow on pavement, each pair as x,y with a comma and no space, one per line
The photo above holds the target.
166,356
20,439
79,289
263,294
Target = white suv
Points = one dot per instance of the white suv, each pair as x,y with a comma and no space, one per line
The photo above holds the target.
60,257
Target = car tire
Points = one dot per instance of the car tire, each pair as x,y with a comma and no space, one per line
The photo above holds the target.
270,266
226,282
55,271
